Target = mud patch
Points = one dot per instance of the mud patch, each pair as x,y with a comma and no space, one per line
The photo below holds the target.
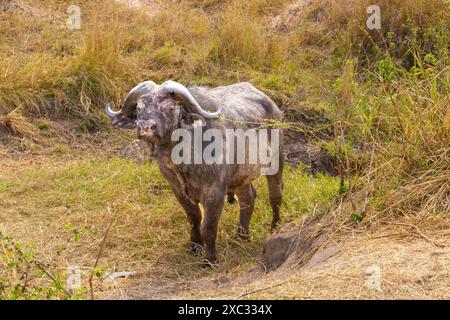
298,150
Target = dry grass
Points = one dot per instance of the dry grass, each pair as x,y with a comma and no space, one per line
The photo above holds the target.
17,124
50,70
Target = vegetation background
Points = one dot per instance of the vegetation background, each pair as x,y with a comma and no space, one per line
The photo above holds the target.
371,105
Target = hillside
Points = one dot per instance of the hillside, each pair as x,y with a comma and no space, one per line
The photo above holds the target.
367,122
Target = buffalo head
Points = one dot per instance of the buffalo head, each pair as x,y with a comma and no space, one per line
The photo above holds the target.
156,110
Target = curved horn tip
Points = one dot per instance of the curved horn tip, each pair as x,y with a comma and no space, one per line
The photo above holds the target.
214,115
110,112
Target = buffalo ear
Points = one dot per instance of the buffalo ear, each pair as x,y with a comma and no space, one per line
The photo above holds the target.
190,120
124,120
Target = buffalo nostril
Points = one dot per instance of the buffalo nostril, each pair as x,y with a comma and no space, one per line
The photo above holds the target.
147,129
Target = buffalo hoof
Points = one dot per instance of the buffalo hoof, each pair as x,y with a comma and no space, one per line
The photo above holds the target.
208,264
195,249
242,235
274,225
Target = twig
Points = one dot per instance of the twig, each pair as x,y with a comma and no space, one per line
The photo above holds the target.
261,289
384,236
419,233
49,274
100,251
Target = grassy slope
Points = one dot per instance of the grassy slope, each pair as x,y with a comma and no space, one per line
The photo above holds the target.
51,69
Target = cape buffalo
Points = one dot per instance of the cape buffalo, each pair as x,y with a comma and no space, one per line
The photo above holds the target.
158,111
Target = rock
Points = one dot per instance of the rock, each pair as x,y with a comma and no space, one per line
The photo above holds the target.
124,274
289,17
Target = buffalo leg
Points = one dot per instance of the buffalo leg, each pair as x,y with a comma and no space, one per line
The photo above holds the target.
247,195
213,210
275,185
194,217
193,213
